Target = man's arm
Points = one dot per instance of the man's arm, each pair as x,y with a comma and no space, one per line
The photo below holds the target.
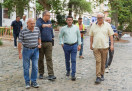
19,50
61,37
39,43
112,43
78,39
91,42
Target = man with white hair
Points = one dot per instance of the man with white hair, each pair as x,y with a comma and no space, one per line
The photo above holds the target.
24,22
111,53
99,43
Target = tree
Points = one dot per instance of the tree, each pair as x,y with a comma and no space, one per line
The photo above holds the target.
16,5
79,6
54,5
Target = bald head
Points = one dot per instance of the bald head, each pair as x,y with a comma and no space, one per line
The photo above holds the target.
108,19
31,24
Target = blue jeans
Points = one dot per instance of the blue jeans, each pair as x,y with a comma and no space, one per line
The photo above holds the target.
15,38
33,55
81,50
70,53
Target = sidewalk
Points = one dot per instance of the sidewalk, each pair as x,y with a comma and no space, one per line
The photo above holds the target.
118,79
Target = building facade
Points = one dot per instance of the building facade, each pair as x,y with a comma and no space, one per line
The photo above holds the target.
5,19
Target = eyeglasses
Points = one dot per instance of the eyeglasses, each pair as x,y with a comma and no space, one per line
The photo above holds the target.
47,15
99,17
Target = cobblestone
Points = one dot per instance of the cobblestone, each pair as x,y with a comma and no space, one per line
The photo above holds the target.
118,79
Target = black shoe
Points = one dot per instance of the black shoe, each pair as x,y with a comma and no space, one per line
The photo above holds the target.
68,73
102,77
98,80
73,78
34,84
41,76
51,77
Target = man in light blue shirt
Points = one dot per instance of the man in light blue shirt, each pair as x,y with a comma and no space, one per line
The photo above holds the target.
70,40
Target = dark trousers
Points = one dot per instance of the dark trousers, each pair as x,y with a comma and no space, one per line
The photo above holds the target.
70,53
81,50
46,49
110,58
15,38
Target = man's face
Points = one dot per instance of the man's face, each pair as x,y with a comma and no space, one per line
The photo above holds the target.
108,20
18,19
24,17
100,19
69,21
31,24
80,21
47,16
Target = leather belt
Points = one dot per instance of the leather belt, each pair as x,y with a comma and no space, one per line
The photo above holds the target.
30,47
70,44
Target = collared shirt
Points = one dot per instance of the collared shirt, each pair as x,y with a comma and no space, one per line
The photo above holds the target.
46,32
16,26
24,23
29,38
114,30
70,35
101,35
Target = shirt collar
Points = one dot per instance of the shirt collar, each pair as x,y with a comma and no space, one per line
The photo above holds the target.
71,26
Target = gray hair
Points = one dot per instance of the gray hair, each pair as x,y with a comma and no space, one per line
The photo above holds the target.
100,14
46,11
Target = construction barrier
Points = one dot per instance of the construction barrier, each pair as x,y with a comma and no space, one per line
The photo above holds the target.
6,33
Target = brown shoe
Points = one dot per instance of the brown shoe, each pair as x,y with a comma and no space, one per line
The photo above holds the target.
81,57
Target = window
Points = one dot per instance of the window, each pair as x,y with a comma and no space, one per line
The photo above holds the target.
5,13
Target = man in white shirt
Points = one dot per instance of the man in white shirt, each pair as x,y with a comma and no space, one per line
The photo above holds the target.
24,22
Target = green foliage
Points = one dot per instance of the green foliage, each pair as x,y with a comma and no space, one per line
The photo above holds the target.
1,43
39,7
16,5
61,19
79,6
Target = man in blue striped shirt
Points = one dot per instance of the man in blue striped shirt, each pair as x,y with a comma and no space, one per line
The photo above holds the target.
111,53
31,41
70,40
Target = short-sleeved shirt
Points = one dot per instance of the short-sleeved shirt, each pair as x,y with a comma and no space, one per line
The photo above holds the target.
16,26
46,32
24,23
101,35
29,38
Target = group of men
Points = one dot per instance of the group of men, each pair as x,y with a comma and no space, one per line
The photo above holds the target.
37,43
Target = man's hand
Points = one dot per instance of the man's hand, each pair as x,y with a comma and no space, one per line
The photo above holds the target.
46,25
62,45
91,47
79,47
20,55
39,46
111,47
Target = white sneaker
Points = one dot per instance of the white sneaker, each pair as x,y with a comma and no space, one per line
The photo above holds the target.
109,68
15,47
106,70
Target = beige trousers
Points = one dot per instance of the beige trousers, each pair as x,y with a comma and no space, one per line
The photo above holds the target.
100,57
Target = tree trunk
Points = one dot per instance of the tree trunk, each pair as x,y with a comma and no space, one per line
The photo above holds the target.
70,8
